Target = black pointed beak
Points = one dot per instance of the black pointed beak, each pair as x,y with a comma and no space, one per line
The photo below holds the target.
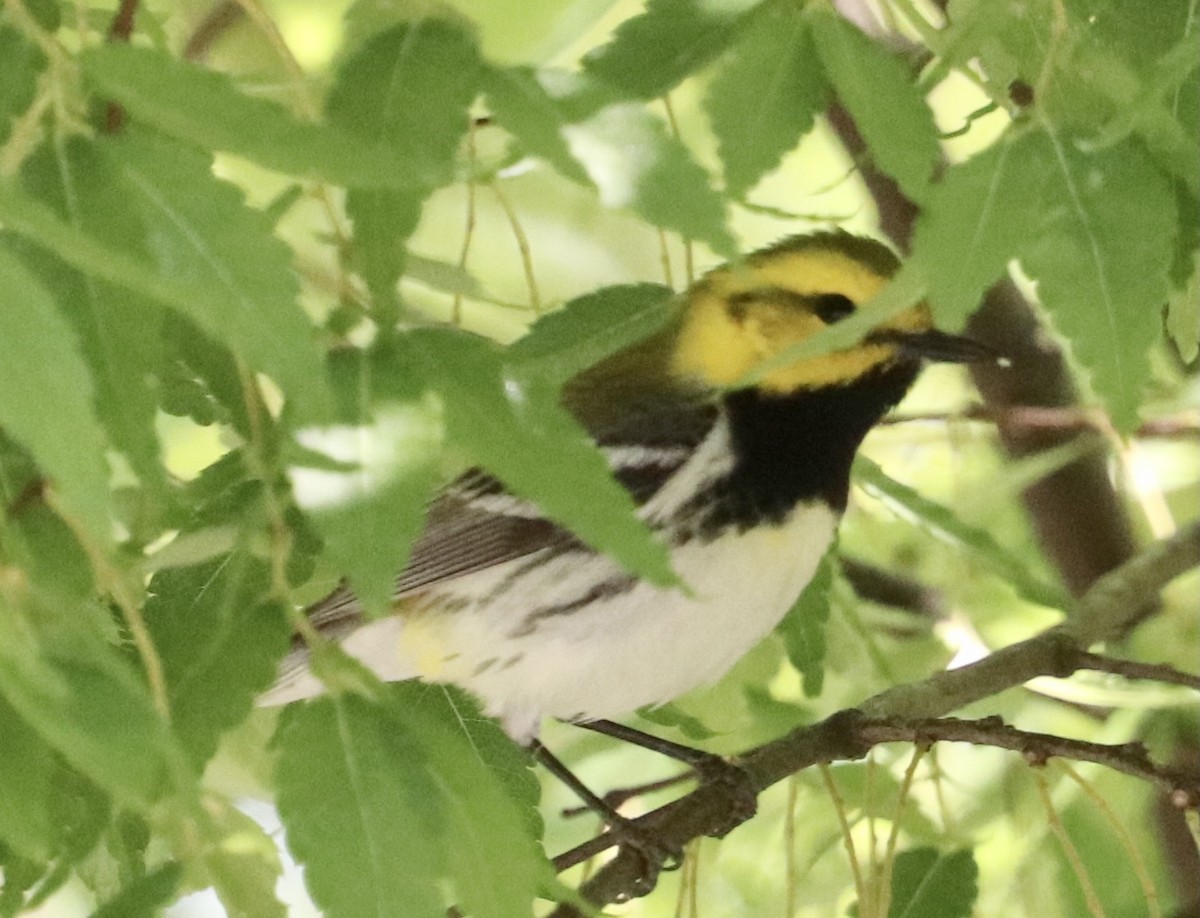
940,346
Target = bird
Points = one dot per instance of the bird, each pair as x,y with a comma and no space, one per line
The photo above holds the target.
745,484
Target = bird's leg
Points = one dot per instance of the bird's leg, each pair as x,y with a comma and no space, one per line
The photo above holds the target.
709,768
656,855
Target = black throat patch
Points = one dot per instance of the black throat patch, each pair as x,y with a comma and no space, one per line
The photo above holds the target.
797,447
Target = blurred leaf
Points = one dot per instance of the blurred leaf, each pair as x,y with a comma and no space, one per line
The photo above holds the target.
519,432
803,629
146,896
635,164
929,884
588,329
766,95
975,221
531,115
26,766
652,52
407,88
200,232
220,640
84,700
23,62
877,89
42,366
243,864
120,332
942,523
378,466
393,813
205,108
1183,315
1103,261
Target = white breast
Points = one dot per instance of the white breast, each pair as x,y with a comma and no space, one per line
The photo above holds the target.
639,647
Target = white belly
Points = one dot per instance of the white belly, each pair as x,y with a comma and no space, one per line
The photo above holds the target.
643,646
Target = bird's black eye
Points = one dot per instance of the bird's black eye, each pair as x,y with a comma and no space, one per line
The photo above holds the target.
832,307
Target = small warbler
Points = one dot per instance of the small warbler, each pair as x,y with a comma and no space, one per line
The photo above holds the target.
745,486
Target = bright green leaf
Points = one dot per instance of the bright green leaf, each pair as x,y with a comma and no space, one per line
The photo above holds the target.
1183,315
766,95
200,232
636,164
878,90
975,221
368,498
531,115
23,62
42,366
942,522
86,701
26,766
220,641
119,332
393,813
1102,265
518,431
146,896
929,884
205,108
588,329
803,630
652,52
409,87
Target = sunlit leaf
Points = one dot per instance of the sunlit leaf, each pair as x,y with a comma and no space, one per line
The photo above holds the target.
42,366
377,465
652,52
765,96
877,89
205,108
518,431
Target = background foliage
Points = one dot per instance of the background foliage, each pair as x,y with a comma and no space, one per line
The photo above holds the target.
235,241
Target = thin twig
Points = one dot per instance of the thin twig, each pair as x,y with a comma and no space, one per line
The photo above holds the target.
1131,669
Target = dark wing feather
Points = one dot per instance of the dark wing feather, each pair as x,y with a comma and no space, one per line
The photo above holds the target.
474,524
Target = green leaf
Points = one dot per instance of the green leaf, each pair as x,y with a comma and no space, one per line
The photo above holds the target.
201,233
1183,314
146,896
365,480
242,861
531,115
205,108
42,366
119,333
23,62
803,629
929,884
86,701
409,88
588,329
652,52
766,95
220,640
634,163
392,812
942,523
517,430
1102,266
878,91
26,767
976,220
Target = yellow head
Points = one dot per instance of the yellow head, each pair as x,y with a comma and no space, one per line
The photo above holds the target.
745,313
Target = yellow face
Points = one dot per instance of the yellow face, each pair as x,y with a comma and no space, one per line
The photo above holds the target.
741,315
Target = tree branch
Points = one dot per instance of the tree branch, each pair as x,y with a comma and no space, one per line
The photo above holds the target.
903,712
